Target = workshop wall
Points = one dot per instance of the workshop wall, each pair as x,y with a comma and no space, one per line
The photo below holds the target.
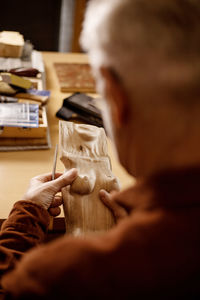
38,21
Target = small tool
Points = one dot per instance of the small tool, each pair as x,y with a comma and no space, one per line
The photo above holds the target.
53,177
6,99
54,162
26,72
17,81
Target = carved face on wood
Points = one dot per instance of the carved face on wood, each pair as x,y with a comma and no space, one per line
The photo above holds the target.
83,140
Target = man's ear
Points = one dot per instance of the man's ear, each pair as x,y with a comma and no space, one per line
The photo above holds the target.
116,96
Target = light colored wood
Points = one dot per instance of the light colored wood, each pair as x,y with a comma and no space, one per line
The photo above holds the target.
11,44
16,168
85,147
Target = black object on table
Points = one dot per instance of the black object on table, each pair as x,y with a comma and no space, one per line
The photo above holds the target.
81,106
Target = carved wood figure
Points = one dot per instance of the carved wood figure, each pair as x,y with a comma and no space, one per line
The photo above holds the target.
85,147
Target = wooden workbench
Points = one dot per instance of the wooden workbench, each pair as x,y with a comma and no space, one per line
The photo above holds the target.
16,168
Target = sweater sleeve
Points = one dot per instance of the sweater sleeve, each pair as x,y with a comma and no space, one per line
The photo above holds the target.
139,256
93,267
25,227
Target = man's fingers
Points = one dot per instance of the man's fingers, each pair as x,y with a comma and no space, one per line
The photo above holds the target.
105,197
57,201
46,177
54,211
64,180
118,211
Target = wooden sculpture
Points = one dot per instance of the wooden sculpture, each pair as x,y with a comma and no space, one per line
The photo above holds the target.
85,147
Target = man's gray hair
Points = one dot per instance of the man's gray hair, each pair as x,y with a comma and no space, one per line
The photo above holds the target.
151,45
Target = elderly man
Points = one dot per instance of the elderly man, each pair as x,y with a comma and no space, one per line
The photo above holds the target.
146,59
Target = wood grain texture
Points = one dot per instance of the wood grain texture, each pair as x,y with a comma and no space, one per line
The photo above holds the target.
75,77
85,148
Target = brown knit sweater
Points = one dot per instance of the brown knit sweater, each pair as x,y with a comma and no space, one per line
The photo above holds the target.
154,252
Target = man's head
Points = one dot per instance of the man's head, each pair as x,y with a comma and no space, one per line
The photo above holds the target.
146,58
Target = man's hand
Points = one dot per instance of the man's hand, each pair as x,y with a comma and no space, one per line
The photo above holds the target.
43,190
118,210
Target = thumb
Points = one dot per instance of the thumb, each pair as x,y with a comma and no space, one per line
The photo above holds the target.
118,211
64,180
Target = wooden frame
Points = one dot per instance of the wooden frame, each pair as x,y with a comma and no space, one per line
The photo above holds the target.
79,12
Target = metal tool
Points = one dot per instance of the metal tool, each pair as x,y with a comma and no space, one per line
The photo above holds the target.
54,162
27,72
7,99
53,177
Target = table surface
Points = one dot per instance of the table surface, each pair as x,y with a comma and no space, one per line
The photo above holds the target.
16,168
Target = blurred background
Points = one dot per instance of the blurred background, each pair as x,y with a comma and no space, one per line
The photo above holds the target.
51,25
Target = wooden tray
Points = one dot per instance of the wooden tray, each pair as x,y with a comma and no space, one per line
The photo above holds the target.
26,133
75,77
